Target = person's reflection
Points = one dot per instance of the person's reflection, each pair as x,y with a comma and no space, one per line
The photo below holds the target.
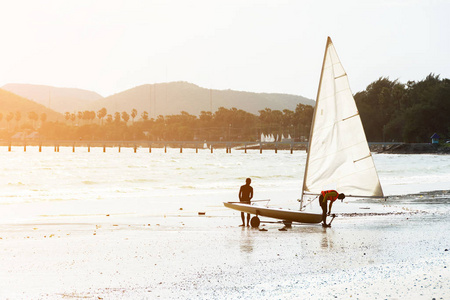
246,241
327,240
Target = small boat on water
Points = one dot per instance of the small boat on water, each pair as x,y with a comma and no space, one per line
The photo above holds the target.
338,157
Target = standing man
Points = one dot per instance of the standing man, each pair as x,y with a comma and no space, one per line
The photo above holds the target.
325,196
245,195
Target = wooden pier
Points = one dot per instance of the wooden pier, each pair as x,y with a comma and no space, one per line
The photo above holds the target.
181,145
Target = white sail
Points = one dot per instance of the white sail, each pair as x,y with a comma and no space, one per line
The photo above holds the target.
338,156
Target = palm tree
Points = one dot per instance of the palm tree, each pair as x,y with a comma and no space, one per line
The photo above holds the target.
125,116
18,116
91,116
101,114
144,116
9,117
117,117
80,116
86,115
43,118
133,114
67,116
33,116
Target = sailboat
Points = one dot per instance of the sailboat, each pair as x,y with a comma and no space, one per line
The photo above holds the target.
338,157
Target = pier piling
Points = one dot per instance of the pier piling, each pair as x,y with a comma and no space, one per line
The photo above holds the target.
243,146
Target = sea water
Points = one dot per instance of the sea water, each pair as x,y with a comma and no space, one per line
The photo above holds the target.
76,187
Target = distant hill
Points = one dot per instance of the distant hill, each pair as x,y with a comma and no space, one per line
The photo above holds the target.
10,102
174,97
58,99
157,99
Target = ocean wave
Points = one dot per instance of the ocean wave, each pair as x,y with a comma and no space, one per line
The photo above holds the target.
89,182
11,196
188,187
141,180
137,167
16,183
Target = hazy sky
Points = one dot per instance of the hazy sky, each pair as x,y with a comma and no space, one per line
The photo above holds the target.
259,46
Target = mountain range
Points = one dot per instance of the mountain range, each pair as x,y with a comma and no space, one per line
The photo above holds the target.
157,99
55,98
12,103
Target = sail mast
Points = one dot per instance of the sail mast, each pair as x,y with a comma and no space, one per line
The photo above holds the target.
311,130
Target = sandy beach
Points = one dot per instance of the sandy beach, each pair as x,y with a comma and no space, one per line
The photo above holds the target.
403,254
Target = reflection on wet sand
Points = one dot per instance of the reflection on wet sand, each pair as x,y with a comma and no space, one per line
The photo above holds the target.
327,239
246,241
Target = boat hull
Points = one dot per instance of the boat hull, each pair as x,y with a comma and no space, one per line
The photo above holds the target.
276,213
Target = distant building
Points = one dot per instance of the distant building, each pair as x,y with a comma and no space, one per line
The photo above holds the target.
435,138
26,135
33,136
18,136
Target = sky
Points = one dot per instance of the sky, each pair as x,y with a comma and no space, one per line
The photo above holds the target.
257,46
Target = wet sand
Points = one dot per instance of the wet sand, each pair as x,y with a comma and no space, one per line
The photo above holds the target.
402,255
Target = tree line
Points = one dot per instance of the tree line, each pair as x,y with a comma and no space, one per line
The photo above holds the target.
411,112
223,125
390,111
33,118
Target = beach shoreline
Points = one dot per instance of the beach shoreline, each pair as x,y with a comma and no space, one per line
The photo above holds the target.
413,148
126,226
186,256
